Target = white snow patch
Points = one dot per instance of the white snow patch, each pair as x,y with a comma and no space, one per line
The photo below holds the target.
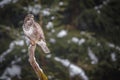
105,2
94,59
11,47
53,17
35,9
75,39
12,71
19,42
26,39
98,44
61,3
53,30
16,60
62,33
49,25
4,2
23,50
73,69
114,46
50,77
46,12
111,45
82,32
81,41
98,7
118,48
113,56
48,56
65,62
98,11
14,1
52,40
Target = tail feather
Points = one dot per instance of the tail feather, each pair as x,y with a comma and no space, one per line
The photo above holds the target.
44,47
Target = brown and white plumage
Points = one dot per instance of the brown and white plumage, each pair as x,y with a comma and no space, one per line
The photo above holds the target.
34,32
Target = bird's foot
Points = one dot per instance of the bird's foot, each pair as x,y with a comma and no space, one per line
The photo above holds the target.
32,43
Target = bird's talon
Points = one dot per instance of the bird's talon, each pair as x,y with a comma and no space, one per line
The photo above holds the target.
32,43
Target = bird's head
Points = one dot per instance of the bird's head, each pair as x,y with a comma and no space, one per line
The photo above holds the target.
29,19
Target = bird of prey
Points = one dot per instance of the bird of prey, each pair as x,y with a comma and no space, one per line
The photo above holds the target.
34,32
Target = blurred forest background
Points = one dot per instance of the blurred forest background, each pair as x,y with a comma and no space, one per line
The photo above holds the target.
83,36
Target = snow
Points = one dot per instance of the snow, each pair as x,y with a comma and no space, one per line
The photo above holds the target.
94,59
46,12
53,17
118,48
98,11
61,3
53,30
50,77
14,1
23,50
49,25
4,2
16,60
81,41
78,41
98,44
6,52
105,2
82,32
65,62
48,56
111,45
11,47
73,69
113,56
75,39
12,71
19,42
62,33
52,40
27,41
98,7
35,9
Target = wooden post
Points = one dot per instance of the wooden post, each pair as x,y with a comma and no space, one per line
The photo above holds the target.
34,64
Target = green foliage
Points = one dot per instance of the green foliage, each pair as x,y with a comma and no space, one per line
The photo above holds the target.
89,25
